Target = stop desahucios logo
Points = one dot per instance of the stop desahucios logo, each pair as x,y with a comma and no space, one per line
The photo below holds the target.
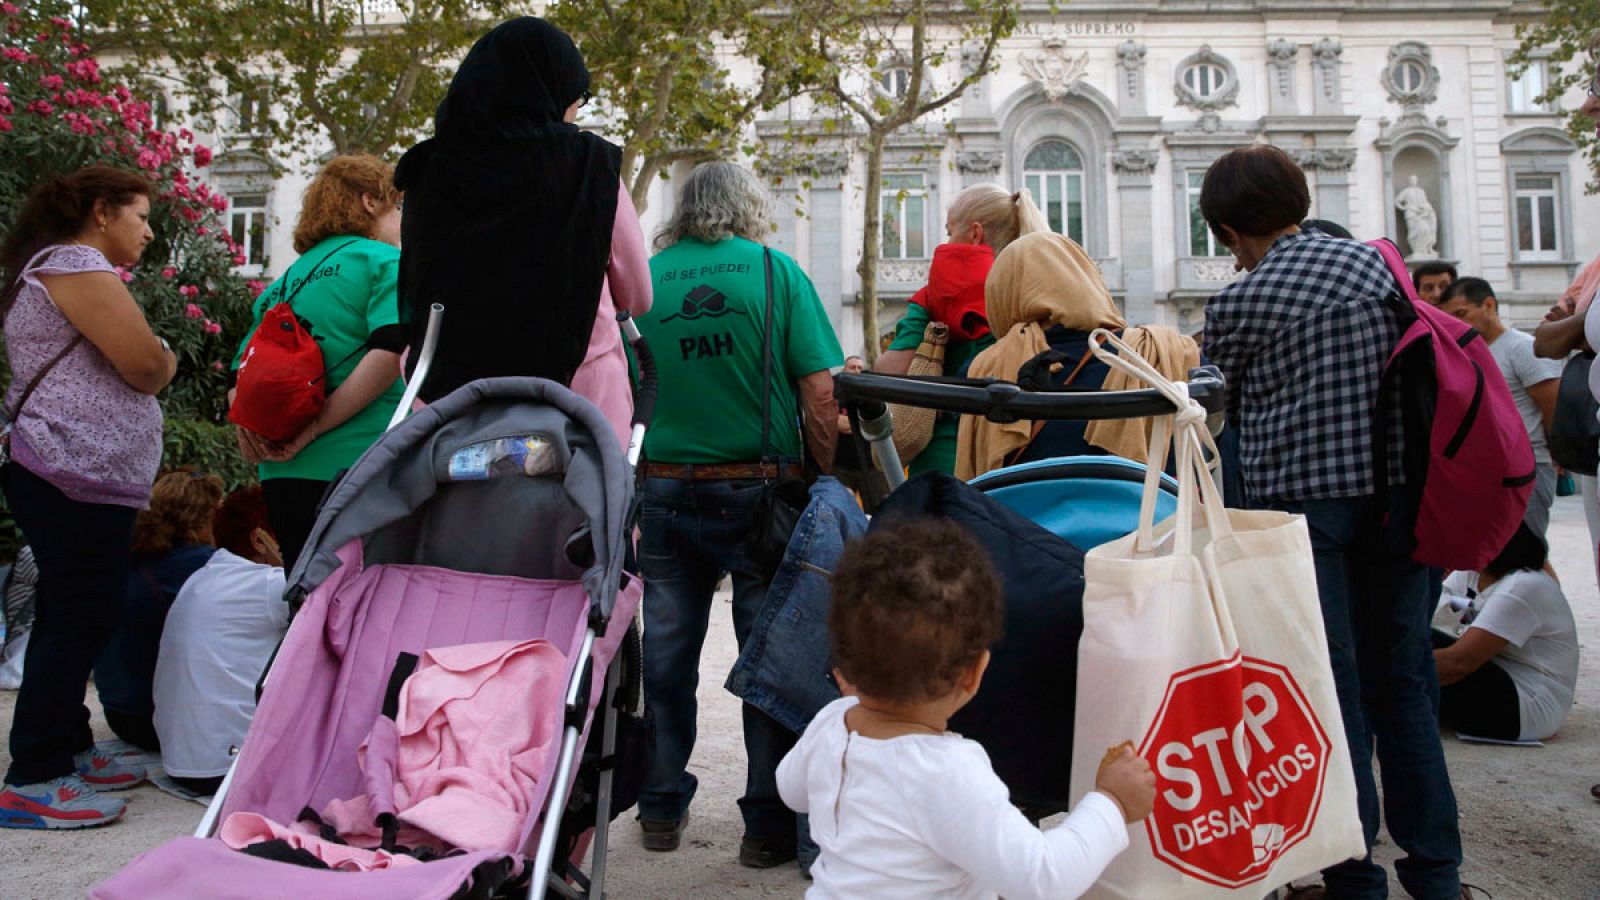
1240,761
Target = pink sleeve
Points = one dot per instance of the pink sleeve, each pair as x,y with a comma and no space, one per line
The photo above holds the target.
628,274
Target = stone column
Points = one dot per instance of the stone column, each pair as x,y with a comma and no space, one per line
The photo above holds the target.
1133,169
1130,79
827,230
1325,78
1280,78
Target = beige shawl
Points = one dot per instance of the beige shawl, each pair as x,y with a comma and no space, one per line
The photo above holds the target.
1039,281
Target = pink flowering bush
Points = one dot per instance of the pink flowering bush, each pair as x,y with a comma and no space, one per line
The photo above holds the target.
57,114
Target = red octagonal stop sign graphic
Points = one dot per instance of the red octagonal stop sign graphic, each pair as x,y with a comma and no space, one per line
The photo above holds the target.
1240,761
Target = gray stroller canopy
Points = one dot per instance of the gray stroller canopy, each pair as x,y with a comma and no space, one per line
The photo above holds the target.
504,476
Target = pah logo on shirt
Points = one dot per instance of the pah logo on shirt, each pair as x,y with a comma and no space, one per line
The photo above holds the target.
1240,761
704,302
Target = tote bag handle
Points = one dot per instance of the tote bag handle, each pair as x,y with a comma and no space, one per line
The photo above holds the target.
1196,451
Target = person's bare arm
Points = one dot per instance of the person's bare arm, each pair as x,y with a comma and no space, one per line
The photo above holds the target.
100,307
1555,338
1467,654
1544,397
894,362
820,413
371,377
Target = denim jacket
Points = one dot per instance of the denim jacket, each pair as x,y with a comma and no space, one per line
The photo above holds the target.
784,667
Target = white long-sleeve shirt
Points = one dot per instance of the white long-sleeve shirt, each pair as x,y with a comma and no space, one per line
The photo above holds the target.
925,815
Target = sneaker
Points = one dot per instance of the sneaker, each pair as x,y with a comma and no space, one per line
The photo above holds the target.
764,853
65,802
105,772
662,837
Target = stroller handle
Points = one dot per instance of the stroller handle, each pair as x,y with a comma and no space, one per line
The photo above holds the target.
1004,401
646,391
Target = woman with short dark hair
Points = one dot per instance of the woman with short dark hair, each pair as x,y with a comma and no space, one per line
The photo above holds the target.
1302,338
84,448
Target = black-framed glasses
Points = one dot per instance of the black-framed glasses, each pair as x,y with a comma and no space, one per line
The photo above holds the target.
1594,86
584,99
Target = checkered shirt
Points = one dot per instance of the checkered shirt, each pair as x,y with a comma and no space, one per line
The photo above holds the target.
1302,341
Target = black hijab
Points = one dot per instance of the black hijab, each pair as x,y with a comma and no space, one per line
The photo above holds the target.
508,214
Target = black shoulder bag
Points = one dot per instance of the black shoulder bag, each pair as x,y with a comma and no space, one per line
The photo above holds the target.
783,500
1574,435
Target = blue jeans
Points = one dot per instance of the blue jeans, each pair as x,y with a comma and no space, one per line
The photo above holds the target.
1375,608
691,535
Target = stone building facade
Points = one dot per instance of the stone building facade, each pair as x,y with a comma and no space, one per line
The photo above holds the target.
1109,111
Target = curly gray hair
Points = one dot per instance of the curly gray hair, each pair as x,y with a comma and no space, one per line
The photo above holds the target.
718,200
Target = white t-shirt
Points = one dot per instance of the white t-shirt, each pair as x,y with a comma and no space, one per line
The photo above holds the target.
1530,612
925,816
221,631
1513,352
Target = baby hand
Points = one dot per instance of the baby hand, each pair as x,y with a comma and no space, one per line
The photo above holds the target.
1127,779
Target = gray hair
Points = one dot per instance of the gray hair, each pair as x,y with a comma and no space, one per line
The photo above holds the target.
718,200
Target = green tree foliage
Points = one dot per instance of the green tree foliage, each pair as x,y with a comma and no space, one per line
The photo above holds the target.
656,70
1567,35
944,48
362,75
57,114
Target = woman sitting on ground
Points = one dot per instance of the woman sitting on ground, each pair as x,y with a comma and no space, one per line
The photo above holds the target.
1508,666
1045,295
171,541
222,630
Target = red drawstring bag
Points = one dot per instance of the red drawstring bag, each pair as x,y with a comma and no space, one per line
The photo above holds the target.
282,375
281,378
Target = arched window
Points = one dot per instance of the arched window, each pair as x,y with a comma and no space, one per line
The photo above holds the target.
1053,173
895,82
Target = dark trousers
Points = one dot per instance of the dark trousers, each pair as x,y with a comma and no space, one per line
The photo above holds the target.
1375,609
1484,703
138,729
691,534
82,550
292,505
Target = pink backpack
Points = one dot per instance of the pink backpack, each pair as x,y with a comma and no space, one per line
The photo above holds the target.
1475,467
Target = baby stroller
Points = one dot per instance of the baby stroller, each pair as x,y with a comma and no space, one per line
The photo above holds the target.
1035,520
499,513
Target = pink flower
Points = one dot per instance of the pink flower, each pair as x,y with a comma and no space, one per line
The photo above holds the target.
149,160
59,22
8,9
52,82
255,287
4,89
202,155
86,70
182,190
185,134
219,203
127,277
189,291
122,93
217,366
41,107
239,259
201,230
202,192
5,105
168,272
212,327
194,312
5,124
17,54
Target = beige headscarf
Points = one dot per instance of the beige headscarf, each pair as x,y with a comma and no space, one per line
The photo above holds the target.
1039,281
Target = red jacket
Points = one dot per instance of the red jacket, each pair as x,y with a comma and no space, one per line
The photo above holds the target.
954,294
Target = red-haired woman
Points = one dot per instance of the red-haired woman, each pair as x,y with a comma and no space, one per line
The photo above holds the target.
85,446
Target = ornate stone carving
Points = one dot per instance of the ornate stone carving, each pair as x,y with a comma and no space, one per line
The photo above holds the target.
1056,73
1328,159
1325,66
1411,78
1198,91
902,271
1133,162
1214,271
1280,58
1130,63
827,163
979,162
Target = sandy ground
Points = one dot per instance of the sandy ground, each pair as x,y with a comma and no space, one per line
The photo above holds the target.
1529,826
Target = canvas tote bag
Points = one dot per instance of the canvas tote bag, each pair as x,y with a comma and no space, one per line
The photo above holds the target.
1203,644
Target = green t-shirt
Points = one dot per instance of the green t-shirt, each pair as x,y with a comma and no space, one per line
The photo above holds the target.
705,330
940,453
349,295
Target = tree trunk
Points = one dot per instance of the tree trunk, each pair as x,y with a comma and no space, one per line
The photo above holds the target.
871,245
639,190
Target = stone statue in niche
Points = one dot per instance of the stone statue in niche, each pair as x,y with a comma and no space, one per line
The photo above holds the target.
1422,222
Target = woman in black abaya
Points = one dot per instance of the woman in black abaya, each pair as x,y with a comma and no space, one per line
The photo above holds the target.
516,220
